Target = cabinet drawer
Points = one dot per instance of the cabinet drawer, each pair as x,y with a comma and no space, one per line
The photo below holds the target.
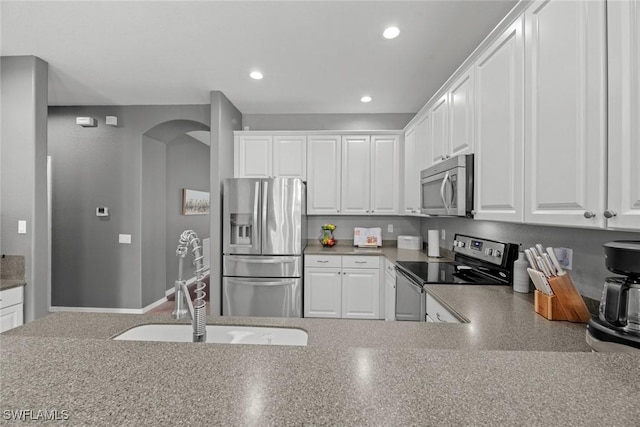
361,261
390,267
11,297
322,261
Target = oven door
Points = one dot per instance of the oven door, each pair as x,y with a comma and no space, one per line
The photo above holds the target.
410,299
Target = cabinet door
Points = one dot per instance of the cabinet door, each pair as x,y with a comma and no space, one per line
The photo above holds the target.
384,174
424,147
253,157
565,140
360,293
290,156
461,115
624,111
499,131
390,297
439,130
411,178
11,317
322,292
356,173
324,174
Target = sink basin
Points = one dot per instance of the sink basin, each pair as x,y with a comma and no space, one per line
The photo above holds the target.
218,334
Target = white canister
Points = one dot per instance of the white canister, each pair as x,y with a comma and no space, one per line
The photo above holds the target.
433,243
520,274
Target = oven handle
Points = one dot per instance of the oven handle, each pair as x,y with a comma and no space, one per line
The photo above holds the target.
410,279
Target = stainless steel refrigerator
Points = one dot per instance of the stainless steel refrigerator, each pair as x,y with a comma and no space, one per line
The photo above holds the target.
264,235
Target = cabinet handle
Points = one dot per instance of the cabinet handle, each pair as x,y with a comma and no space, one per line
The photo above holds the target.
610,214
361,262
589,215
438,317
323,261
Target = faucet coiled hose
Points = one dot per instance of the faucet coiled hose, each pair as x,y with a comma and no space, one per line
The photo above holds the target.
190,238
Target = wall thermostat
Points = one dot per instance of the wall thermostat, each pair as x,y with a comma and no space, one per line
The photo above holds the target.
102,211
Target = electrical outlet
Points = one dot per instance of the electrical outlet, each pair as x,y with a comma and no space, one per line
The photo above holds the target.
443,234
22,227
390,228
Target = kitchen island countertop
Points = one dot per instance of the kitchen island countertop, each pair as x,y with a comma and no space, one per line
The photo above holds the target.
353,372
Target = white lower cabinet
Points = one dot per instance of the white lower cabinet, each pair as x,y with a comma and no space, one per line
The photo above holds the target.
389,290
322,292
342,287
11,308
437,313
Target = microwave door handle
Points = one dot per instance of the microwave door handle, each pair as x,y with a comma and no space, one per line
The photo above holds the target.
453,194
442,186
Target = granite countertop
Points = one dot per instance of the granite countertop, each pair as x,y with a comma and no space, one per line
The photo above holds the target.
11,283
508,366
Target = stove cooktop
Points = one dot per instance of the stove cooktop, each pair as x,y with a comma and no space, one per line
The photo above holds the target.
444,273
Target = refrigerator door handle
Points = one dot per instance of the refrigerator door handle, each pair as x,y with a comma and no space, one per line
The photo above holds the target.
251,282
260,260
256,200
265,198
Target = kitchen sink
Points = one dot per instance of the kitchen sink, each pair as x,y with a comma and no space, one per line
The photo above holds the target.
218,334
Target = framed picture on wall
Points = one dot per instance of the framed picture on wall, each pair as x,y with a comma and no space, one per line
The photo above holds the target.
195,202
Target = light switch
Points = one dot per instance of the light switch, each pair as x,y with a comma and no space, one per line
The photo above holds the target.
125,238
22,226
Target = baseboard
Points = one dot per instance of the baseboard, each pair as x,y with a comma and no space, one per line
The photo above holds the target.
56,309
172,290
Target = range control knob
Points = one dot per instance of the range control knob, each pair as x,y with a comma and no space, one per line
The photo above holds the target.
488,251
497,253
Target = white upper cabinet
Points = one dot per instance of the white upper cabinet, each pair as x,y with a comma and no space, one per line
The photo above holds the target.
267,156
424,147
370,175
439,129
411,174
417,156
385,165
324,160
565,113
252,156
499,128
290,156
452,121
623,208
461,115
356,173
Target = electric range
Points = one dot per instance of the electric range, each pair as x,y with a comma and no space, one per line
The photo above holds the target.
477,261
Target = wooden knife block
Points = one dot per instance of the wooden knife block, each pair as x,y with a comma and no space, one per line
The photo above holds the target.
566,304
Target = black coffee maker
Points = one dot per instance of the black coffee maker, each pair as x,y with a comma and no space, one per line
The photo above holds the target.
617,326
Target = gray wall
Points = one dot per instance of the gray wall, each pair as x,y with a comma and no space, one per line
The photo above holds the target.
326,121
23,123
102,166
153,201
402,226
588,271
188,166
225,118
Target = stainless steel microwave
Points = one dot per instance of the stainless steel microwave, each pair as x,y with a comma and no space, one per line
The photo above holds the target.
447,187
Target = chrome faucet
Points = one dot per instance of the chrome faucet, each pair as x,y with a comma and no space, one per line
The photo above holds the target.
196,309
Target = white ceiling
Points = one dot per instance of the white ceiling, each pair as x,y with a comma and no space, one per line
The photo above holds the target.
316,56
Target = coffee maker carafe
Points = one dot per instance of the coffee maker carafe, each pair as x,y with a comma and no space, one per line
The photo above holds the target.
618,320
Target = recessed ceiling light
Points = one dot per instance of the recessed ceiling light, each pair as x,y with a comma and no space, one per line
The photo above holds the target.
366,98
256,75
391,33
